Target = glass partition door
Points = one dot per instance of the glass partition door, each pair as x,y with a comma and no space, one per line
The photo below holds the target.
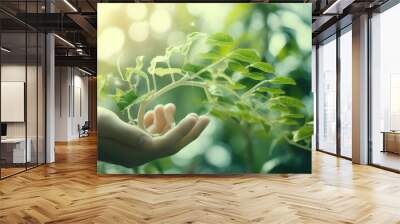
327,96
346,93
15,149
385,89
22,95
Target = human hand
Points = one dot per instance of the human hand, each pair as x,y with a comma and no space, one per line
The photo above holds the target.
125,144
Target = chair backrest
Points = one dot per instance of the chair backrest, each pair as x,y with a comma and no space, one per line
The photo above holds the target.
86,125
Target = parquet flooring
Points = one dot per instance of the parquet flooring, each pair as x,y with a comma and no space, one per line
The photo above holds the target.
70,191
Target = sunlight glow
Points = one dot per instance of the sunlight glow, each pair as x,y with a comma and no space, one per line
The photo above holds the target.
139,31
160,21
110,42
137,11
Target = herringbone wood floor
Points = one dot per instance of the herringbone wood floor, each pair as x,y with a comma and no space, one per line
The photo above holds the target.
70,191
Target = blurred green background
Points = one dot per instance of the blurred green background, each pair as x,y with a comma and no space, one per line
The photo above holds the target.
281,33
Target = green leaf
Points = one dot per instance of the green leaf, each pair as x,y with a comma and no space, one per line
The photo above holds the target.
125,98
242,106
214,54
237,86
296,116
304,132
220,39
222,92
167,71
283,80
209,56
272,91
192,68
278,107
288,122
130,71
237,67
265,67
251,116
287,101
245,55
254,75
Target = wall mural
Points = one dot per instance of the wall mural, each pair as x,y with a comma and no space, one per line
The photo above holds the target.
204,88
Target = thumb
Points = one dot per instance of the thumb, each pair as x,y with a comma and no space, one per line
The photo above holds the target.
201,124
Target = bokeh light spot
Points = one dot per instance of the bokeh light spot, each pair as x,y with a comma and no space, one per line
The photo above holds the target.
160,21
110,41
278,41
218,156
139,31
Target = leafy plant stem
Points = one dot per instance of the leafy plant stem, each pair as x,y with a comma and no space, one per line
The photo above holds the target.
254,88
137,83
210,66
181,82
172,75
131,120
154,82
119,68
148,84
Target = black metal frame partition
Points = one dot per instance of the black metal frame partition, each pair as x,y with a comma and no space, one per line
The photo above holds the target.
339,32
36,33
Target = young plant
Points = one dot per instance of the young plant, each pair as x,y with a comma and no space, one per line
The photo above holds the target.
237,83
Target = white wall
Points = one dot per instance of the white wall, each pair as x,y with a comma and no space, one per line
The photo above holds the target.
71,94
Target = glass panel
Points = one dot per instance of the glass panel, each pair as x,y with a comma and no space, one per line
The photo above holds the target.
346,94
23,90
385,84
32,89
327,97
41,99
31,97
13,86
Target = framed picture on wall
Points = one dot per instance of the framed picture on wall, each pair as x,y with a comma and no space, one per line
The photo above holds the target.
204,88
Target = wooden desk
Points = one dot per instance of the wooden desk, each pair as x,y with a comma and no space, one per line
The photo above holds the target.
391,142
13,150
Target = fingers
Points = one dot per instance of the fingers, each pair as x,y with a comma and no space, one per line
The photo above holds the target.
166,144
201,124
148,119
161,119
169,113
